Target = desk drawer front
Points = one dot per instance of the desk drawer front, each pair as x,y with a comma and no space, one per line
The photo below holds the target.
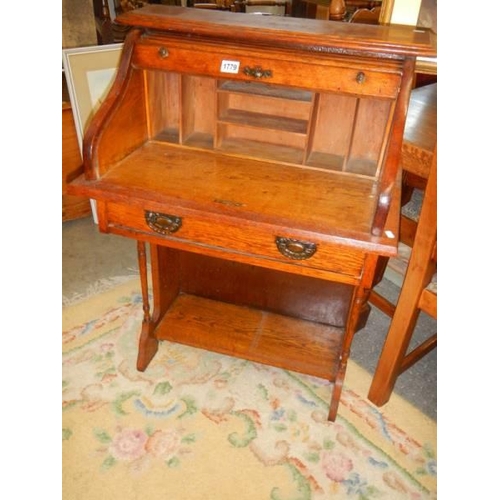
242,238
237,64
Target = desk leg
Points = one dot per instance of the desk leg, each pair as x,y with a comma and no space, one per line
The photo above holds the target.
360,298
148,344
165,284
357,310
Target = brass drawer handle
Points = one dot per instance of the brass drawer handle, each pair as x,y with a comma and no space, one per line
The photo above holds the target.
162,223
163,52
295,249
257,72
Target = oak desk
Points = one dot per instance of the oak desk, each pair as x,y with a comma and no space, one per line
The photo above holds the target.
420,133
258,156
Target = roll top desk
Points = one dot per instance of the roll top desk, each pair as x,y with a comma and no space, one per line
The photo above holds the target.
257,158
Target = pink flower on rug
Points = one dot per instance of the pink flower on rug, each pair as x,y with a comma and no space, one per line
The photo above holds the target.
336,467
106,347
129,444
164,444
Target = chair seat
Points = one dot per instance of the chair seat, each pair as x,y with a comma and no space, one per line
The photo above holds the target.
432,287
428,299
414,206
397,266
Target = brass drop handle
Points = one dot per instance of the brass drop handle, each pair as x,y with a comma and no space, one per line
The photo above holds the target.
257,72
295,249
162,223
360,77
163,52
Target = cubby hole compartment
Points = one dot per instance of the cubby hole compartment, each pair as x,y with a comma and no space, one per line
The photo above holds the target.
181,108
244,141
197,111
163,105
349,134
260,120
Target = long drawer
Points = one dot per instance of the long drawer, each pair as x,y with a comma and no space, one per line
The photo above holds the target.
316,73
243,238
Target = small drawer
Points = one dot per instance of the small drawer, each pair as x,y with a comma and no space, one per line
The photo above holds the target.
316,73
242,237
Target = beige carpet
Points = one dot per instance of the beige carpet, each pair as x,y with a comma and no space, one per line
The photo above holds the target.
198,425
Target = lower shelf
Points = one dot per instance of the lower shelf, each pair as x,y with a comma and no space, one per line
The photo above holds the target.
252,334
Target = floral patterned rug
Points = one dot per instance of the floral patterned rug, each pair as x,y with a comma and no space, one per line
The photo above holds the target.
198,425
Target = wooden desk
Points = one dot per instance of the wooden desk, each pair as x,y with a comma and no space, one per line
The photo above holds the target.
420,134
258,157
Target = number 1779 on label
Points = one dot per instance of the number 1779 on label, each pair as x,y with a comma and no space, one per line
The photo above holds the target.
229,66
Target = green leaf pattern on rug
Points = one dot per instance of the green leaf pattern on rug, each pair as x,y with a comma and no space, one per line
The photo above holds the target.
162,388
108,463
190,407
121,400
66,434
303,488
102,436
240,440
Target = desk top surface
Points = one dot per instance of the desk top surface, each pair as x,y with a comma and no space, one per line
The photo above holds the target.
421,122
273,31
334,205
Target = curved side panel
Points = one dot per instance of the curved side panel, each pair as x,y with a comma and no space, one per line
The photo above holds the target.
120,124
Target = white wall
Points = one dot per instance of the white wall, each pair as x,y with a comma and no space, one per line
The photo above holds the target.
405,12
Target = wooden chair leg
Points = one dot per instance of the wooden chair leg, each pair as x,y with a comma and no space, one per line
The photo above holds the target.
419,352
421,267
392,356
